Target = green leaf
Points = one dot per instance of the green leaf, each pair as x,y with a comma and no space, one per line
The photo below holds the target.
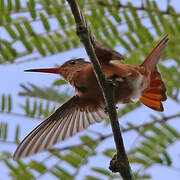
31,6
79,151
167,158
88,141
33,112
90,177
135,16
138,160
171,130
124,43
10,165
9,49
5,54
37,43
109,152
48,9
59,82
22,166
140,176
2,6
149,145
73,160
17,134
20,29
60,18
128,108
44,93
29,28
17,5
132,40
153,19
161,134
27,44
37,166
9,5
61,173
11,32
5,129
44,21
48,44
27,107
155,140
69,18
56,42
40,108
101,171
3,100
128,21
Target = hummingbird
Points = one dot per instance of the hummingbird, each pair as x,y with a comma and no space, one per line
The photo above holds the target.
133,83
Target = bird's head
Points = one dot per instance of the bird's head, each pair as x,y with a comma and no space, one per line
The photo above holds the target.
66,70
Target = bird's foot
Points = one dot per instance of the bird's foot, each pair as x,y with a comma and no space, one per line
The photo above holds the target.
116,80
106,109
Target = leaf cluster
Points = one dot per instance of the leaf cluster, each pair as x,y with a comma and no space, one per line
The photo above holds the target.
46,27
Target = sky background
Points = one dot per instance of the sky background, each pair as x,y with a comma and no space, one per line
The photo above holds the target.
13,75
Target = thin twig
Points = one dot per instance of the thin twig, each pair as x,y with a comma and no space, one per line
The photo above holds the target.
164,119
107,88
133,128
104,137
138,8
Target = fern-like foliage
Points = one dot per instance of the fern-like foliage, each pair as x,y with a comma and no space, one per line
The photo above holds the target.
33,29
6,103
43,93
38,109
153,147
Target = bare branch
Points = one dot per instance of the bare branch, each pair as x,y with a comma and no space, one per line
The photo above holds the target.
103,137
138,8
108,90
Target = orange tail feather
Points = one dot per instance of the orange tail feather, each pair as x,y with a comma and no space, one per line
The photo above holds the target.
154,93
156,105
156,90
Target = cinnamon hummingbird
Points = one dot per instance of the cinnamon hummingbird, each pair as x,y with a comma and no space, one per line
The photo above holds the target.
87,106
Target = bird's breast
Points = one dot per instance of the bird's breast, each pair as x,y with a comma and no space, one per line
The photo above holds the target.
129,89
137,88
86,85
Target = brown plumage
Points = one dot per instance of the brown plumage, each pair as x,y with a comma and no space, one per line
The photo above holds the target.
135,83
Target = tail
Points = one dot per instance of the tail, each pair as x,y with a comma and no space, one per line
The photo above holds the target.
156,90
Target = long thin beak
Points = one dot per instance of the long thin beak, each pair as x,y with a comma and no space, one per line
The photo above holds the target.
49,70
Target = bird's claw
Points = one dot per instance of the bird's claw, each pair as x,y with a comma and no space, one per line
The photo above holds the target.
113,81
116,80
106,109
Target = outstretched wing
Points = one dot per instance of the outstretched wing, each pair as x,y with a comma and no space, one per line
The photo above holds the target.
72,117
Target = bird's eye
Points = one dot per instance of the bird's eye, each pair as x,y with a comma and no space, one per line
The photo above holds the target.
72,62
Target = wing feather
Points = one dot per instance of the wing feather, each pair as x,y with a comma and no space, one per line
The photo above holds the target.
70,118
32,137
86,120
41,139
57,137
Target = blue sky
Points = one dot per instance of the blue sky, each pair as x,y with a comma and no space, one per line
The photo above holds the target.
13,75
